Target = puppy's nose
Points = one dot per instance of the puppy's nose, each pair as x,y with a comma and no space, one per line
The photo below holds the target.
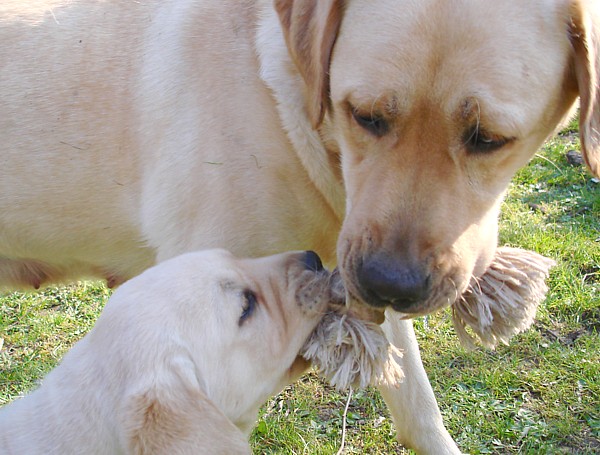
312,261
385,281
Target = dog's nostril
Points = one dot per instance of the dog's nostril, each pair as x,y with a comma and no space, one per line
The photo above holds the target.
312,261
385,281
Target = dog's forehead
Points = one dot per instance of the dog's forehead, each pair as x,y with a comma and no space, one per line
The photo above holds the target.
217,268
419,23
436,49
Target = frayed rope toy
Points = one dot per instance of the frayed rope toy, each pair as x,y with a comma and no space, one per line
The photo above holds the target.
503,301
351,352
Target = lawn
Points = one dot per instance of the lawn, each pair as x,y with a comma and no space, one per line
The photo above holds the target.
539,395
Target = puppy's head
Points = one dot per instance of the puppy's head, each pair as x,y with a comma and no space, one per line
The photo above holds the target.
433,108
255,316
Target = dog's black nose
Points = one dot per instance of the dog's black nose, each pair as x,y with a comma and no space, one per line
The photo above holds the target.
385,281
312,261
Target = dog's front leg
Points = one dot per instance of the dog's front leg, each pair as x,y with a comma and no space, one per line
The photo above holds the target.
415,412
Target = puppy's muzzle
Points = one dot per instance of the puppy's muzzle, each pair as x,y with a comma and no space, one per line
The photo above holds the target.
386,281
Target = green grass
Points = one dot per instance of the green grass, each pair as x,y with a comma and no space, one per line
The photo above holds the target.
539,395
36,329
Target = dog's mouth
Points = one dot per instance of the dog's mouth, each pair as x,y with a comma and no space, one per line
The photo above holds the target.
319,289
436,293
340,296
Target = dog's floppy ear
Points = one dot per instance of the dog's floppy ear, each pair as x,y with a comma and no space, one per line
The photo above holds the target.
310,28
170,413
585,39
154,424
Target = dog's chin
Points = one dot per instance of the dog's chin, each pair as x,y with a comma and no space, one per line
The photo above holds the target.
367,313
298,367
482,264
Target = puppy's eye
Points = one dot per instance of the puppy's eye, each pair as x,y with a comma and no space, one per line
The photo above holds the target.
479,141
373,123
248,306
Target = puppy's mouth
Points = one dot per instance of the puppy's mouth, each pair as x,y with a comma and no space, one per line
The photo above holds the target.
319,289
314,291
308,279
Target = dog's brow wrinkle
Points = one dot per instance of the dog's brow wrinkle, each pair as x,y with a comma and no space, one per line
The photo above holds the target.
392,107
478,114
375,101
476,110
227,284
467,108
470,108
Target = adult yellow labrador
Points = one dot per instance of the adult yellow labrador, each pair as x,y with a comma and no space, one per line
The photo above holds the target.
179,362
380,133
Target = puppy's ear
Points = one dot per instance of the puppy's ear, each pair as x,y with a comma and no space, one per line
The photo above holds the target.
585,39
158,420
310,28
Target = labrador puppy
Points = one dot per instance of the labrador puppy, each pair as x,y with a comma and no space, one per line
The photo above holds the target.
380,133
179,362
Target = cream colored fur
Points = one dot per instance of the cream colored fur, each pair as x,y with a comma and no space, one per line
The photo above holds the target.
170,367
135,131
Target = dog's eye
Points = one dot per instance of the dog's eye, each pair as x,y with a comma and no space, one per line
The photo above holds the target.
479,141
374,124
248,306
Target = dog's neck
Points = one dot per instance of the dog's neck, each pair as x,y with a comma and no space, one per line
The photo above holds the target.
317,154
